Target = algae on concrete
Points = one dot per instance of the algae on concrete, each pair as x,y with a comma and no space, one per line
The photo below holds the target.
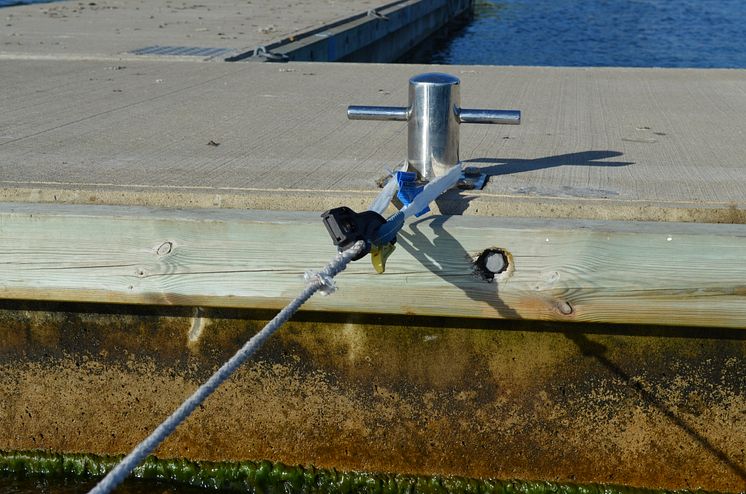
267,477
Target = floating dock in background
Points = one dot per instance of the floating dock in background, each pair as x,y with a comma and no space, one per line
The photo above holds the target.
231,30
156,209
381,35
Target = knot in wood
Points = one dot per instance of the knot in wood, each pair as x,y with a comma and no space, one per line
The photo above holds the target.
164,248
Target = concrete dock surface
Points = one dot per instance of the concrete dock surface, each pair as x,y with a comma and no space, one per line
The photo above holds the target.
115,28
604,143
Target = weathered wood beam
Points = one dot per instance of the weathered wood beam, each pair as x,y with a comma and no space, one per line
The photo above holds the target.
588,271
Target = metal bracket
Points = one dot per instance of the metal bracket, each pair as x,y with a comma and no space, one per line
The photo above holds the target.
262,52
472,180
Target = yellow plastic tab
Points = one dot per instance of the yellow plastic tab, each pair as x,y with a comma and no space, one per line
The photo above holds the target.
379,254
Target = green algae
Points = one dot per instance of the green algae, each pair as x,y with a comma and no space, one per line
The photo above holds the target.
275,478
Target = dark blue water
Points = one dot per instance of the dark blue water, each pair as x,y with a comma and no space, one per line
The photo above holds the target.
8,3
626,33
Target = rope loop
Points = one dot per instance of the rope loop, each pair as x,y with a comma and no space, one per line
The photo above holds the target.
326,282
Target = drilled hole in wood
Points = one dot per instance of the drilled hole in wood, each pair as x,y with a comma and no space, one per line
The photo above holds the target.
490,263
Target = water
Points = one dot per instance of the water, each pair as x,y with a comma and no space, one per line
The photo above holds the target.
8,3
626,33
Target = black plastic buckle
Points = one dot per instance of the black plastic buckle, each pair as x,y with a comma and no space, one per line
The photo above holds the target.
346,227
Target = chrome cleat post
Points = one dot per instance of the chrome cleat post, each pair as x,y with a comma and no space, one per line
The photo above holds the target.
433,117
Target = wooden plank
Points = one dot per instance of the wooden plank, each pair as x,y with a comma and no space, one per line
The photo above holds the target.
589,271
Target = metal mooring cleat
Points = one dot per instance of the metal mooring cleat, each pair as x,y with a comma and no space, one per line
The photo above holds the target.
433,117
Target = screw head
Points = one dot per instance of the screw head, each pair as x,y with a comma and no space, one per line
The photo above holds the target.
490,263
495,263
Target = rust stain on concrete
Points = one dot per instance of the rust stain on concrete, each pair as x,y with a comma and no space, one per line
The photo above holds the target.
652,407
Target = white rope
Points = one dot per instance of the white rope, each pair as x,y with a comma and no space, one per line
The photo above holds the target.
432,190
318,281
382,201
